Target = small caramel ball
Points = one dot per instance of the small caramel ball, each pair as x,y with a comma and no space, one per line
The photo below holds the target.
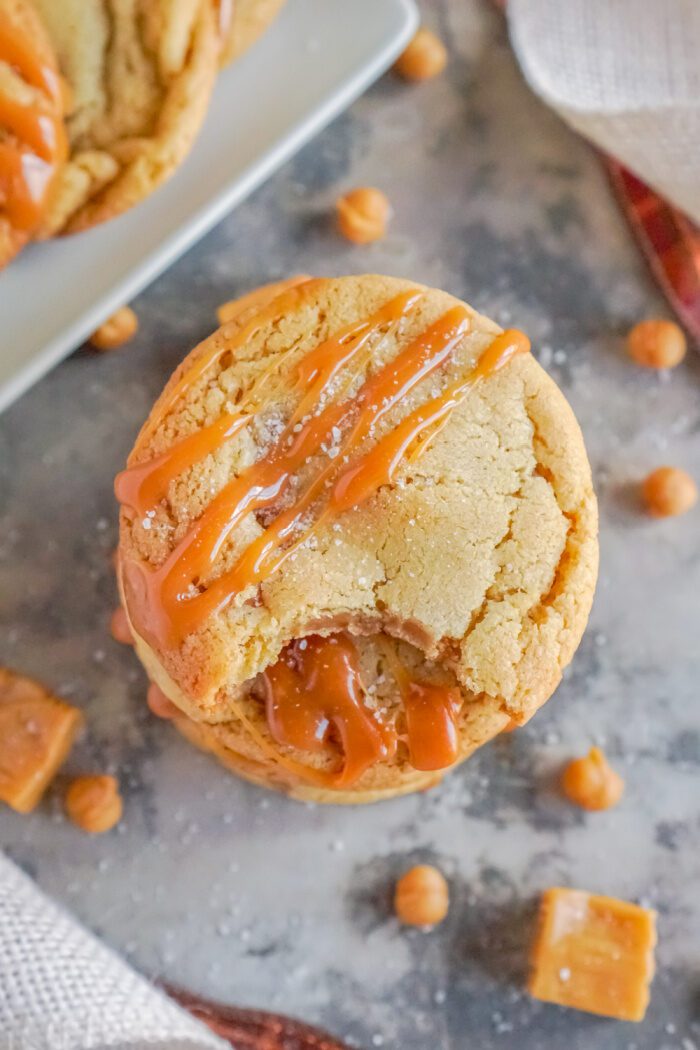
422,896
159,704
669,491
657,344
363,214
94,803
424,57
591,783
119,627
116,330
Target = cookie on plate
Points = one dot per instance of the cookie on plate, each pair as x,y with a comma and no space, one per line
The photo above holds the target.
140,74
358,537
32,135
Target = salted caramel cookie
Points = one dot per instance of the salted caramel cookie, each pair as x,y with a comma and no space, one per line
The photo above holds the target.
32,135
247,22
140,73
358,537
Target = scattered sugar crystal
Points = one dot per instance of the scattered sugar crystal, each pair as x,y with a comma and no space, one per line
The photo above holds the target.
440,996
377,1039
146,523
565,974
559,357
303,643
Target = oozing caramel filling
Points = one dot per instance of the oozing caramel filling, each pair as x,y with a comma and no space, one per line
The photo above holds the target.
314,690
315,694
34,141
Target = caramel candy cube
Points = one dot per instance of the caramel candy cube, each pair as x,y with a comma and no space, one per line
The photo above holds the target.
594,953
36,733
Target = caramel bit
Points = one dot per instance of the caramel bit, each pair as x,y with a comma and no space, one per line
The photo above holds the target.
669,491
657,344
422,896
119,627
594,954
424,57
363,214
116,330
158,703
93,803
591,783
36,734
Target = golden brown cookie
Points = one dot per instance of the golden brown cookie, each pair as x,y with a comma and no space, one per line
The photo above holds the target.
140,74
247,22
358,537
32,136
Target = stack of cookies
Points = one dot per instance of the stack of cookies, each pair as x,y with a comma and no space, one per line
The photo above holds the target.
101,100
358,537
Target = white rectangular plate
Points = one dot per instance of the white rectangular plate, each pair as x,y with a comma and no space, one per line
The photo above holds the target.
317,58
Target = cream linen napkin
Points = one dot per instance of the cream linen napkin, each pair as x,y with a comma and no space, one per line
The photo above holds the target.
626,74
60,989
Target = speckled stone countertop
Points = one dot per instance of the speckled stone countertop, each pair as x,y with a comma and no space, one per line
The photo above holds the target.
256,900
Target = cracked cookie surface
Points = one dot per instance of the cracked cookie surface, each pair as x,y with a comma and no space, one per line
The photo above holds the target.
477,562
139,74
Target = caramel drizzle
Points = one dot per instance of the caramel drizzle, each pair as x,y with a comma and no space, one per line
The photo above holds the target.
171,601
37,143
143,486
289,301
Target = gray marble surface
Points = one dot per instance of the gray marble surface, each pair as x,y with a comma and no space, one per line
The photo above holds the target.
256,900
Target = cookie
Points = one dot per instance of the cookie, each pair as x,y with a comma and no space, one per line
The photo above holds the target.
247,22
140,74
32,135
358,537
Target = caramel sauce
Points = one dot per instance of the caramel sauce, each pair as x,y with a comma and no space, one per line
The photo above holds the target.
169,602
34,141
145,485
431,712
203,363
315,689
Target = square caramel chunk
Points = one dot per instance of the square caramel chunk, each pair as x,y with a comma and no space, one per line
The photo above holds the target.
593,953
36,734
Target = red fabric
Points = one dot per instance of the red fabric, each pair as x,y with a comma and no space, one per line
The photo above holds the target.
670,242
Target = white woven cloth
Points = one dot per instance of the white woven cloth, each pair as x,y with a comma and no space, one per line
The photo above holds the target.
626,74
60,989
